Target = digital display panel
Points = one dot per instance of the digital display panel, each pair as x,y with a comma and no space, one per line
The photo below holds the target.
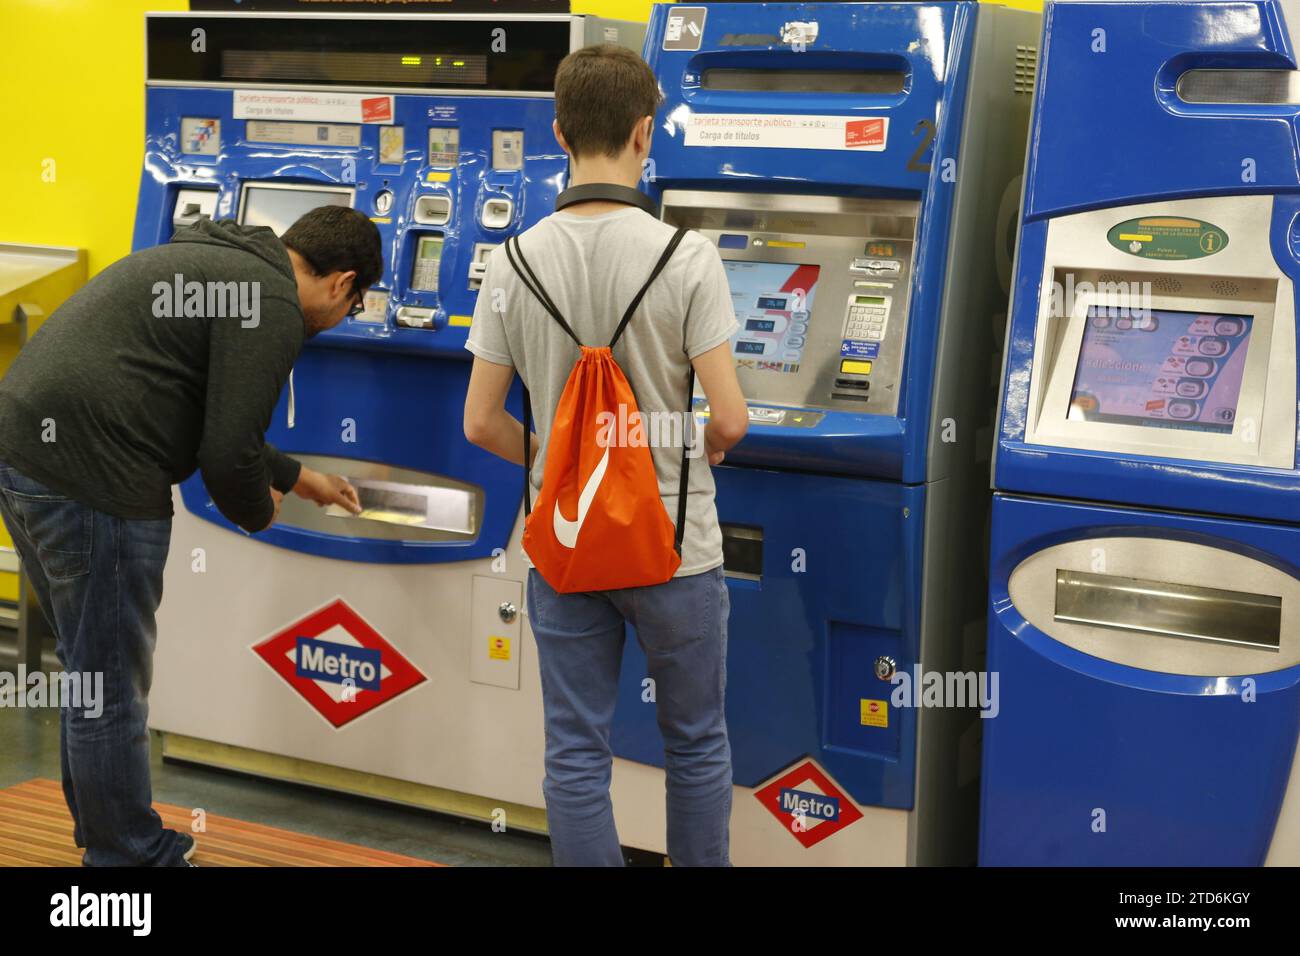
1161,369
279,207
869,300
773,302
430,248
359,51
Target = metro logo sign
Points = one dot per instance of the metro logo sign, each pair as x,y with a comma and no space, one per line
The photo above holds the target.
808,804
339,664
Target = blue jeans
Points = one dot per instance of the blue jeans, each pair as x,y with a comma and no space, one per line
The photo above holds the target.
99,580
682,627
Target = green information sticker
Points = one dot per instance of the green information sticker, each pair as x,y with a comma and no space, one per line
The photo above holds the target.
1168,237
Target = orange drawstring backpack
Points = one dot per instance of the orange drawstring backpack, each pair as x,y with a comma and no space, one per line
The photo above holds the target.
600,524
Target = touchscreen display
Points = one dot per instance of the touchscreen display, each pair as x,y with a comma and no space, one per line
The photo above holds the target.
1161,369
773,301
280,208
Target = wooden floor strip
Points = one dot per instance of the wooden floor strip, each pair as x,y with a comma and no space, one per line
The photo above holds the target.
36,830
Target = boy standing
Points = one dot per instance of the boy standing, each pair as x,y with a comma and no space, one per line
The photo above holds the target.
591,259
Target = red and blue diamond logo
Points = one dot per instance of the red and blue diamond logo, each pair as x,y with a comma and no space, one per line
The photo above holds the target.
338,663
808,804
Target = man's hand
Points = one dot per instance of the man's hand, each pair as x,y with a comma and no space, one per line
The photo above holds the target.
276,498
715,457
327,490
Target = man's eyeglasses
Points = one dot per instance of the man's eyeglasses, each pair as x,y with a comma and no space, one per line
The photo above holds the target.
360,305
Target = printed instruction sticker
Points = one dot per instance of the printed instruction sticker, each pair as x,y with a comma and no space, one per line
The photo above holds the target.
319,107
875,713
685,29
787,131
499,648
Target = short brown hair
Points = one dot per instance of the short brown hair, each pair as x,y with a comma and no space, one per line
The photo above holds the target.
601,92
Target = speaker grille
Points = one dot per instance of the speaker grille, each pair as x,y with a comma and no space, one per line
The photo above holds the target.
1225,288
1026,68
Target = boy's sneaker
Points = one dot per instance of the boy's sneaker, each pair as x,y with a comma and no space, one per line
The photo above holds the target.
191,847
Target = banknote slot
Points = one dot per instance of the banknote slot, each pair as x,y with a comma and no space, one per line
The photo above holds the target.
413,506
1162,609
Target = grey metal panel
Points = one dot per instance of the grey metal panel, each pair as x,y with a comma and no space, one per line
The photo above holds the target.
828,232
944,824
605,30
1020,186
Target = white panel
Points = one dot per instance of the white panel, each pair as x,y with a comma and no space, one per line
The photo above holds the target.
494,643
446,732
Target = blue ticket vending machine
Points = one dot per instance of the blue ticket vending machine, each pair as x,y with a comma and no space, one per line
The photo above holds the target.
386,649
1144,607
852,162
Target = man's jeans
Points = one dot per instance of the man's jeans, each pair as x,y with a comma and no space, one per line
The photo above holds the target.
99,580
682,627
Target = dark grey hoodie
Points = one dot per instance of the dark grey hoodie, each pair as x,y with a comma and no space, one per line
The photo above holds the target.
120,394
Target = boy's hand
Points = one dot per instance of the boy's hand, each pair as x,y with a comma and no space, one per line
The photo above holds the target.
327,490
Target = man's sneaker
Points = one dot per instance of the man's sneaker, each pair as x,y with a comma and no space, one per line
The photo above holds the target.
192,848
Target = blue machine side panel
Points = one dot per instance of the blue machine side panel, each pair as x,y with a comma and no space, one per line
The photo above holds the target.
802,641
1107,106
1163,755
929,43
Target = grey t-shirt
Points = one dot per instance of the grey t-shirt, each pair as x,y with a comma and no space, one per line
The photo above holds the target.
592,266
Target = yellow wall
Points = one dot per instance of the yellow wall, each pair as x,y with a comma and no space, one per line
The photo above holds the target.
72,90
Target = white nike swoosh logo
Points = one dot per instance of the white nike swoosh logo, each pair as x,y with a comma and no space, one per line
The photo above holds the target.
566,531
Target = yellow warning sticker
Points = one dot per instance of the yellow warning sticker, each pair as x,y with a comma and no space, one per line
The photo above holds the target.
875,713
460,321
438,177
499,648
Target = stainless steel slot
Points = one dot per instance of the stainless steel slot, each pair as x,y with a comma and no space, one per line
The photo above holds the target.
401,504
1169,610
742,552
805,81
1245,87
413,506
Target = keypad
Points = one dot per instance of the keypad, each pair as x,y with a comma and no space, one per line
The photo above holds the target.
866,322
